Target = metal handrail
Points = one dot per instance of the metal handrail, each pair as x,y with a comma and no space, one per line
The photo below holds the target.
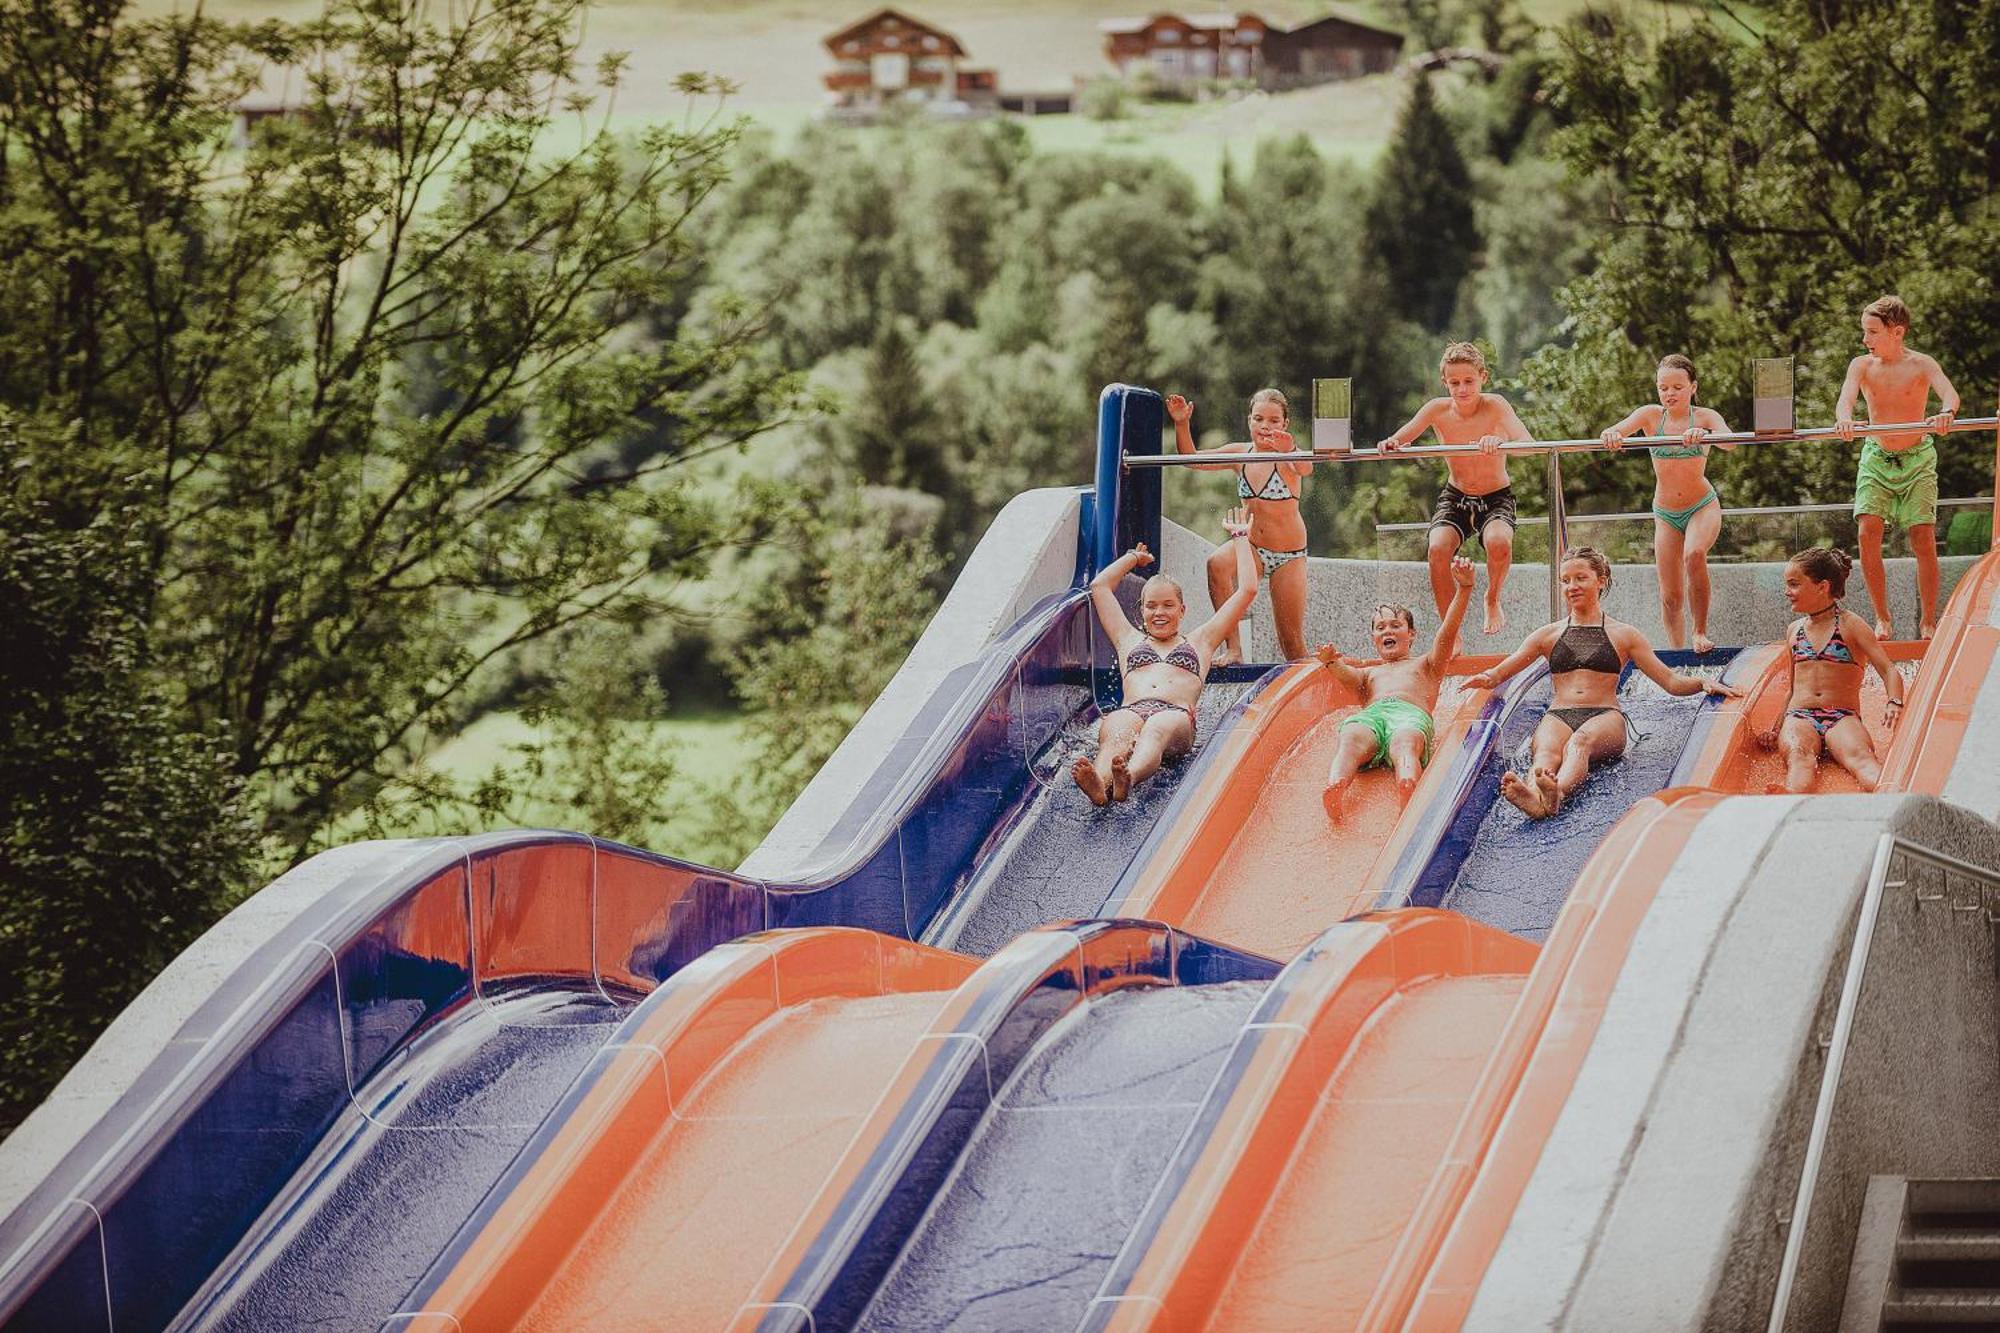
1580,446
1887,847
1751,511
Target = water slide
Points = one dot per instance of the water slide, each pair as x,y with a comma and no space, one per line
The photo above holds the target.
449,1062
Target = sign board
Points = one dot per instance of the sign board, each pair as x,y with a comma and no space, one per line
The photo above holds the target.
1333,408
1771,394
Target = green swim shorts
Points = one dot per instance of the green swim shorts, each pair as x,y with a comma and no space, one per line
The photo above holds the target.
1386,717
1900,488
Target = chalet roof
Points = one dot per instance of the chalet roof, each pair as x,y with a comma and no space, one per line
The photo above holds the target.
952,44
1343,21
1204,22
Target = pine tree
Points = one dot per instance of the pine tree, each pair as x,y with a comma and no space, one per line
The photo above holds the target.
1419,226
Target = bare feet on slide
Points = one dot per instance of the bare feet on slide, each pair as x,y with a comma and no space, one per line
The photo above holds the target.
1496,619
1703,644
1405,788
1086,777
1928,630
1774,789
1545,786
1332,798
1121,779
1884,630
1522,795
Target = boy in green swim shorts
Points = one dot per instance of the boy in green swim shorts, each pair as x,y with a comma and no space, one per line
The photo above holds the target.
1897,481
1394,730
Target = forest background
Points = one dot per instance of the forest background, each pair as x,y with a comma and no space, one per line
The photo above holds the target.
470,448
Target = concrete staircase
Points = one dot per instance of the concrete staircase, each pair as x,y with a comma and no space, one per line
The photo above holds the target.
1926,1255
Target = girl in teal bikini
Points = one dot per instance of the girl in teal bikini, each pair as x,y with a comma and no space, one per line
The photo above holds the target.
1687,515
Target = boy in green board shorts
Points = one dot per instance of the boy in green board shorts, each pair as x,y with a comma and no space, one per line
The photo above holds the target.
1395,730
1897,481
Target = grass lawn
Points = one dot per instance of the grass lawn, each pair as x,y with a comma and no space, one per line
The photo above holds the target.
710,748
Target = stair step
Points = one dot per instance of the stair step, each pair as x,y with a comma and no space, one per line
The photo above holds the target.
1949,1245
1955,1196
1946,1305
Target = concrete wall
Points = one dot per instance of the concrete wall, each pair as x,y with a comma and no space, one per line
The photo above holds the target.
1974,782
1747,605
1661,1198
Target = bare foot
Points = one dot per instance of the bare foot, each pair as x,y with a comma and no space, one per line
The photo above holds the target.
1545,785
1927,630
1121,779
1405,788
1774,789
1086,777
1496,619
1703,644
1332,798
1884,630
1224,656
1522,795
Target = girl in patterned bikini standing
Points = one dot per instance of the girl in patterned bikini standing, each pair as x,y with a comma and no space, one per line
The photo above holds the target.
1687,515
1277,531
1830,649
1163,669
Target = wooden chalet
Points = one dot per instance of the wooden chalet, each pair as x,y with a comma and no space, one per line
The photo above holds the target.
891,56
1183,48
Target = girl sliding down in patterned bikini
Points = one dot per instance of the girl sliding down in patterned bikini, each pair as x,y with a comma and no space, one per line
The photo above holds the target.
1395,730
1163,669
1586,650
1277,532
1687,516
1829,648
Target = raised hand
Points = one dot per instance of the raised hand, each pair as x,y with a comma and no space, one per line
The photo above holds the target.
1179,408
1140,556
1461,571
1237,522
1329,656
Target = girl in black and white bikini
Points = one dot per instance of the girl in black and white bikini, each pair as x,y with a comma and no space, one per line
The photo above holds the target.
1163,669
1270,494
1587,650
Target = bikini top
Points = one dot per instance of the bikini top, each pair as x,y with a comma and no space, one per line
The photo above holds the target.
1836,650
1677,450
1274,487
1598,652
1181,655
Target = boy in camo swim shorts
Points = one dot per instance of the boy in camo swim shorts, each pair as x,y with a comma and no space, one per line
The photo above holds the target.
1897,482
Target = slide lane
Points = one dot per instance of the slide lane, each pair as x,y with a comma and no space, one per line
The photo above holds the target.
796,1085
1255,861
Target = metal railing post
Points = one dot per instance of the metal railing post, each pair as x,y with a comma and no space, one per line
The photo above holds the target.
1558,534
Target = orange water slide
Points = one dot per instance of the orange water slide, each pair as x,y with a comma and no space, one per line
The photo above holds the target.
1257,864
701,1138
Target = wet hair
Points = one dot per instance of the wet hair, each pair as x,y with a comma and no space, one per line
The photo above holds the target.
1675,361
1407,616
1824,564
1890,310
1467,354
1162,581
1262,396
1599,563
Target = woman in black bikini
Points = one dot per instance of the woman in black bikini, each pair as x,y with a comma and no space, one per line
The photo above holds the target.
1163,670
1586,650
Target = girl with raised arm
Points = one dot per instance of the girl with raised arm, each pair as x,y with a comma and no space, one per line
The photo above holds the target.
1830,649
1271,493
1687,515
1587,650
1163,669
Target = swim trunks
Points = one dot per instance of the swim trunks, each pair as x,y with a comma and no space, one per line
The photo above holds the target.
1469,514
1901,487
1386,717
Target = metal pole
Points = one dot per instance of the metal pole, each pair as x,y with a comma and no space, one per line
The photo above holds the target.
1592,446
1558,534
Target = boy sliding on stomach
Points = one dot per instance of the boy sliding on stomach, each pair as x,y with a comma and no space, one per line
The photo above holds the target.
1897,481
1395,729
1477,499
